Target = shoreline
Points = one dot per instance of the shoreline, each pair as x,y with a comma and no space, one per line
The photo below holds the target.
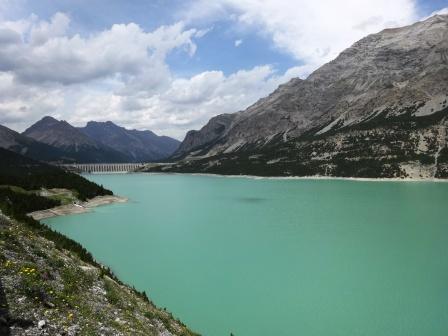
73,209
85,207
315,177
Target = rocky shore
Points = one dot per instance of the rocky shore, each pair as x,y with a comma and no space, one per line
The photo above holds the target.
77,207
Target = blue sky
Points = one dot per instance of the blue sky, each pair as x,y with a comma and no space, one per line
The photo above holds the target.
170,65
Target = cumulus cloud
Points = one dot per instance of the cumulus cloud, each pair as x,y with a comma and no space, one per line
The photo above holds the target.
44,70
41,32
118,74
45,53
19,103
187,103
313,32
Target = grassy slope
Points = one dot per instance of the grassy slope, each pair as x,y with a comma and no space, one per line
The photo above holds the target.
42,282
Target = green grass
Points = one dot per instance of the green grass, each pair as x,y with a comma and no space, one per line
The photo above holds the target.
17,189
112,293
64,199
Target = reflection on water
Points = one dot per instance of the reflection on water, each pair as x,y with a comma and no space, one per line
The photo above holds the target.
252,199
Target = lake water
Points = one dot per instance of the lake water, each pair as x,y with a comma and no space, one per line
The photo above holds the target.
278,257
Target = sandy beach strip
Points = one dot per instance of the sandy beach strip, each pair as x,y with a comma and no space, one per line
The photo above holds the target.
80,208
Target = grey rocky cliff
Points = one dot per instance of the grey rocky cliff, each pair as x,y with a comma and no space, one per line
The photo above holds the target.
393,82
392,72
215,130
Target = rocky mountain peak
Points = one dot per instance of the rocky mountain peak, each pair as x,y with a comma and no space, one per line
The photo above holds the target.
140,146
57,133
395,72
47,120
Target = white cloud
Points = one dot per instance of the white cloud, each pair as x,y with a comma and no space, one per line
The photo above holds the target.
187,103
43,31
119,74
44,70
313,32
443,11
19,103
238,43
45,53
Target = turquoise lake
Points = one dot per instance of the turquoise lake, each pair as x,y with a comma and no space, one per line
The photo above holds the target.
278,257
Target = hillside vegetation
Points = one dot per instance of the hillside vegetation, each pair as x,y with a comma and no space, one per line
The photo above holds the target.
29,174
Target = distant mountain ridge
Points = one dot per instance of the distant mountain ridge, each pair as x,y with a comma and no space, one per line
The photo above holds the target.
29,147
379,109
57,133
139,146
52,140
77,145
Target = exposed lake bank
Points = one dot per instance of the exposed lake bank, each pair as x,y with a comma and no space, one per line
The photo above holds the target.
307,178
77,208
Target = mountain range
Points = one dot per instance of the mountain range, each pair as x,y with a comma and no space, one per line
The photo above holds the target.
138,146
24,145
52,140
378,110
